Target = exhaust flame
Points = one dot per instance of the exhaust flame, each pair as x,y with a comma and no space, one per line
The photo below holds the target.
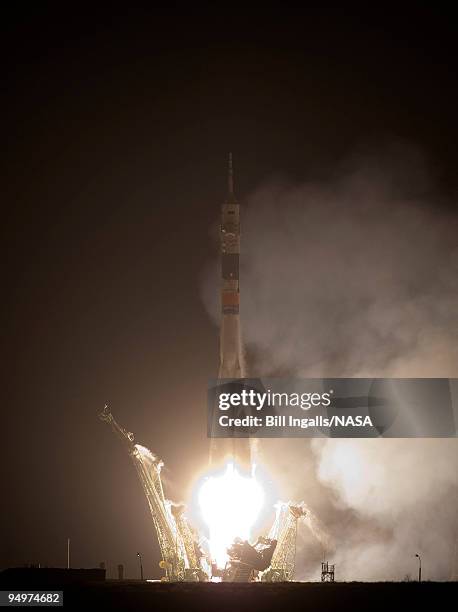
230,505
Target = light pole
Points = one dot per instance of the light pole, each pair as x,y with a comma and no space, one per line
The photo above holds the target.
141,565
419,566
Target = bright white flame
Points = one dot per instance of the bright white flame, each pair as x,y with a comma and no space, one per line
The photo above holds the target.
230,505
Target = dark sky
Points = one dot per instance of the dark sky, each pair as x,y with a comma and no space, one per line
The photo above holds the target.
116,132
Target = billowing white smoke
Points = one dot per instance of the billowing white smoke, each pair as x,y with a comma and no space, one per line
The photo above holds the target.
375,477
407,489
358,276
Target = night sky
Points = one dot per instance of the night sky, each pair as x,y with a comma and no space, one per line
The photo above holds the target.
116,134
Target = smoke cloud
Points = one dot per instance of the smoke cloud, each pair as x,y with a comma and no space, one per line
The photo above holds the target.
357,275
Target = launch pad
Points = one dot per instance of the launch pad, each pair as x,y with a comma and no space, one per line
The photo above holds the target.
230,558
230,503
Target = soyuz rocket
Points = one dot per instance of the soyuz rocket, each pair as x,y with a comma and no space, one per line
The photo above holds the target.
231,354
231,365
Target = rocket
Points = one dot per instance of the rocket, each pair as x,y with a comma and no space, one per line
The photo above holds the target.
231,365
231,354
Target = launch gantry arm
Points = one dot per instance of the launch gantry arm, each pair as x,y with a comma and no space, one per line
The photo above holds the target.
176,552
284,530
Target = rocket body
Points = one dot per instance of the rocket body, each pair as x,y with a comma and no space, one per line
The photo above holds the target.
231,355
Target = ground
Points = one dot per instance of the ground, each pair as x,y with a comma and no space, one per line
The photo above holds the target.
136,595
